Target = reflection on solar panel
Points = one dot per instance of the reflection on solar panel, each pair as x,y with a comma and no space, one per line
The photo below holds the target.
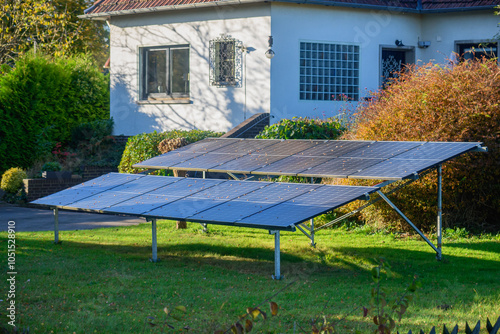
340,167
334,148
167,160
205,200
292,165
315,158
247,163
382,150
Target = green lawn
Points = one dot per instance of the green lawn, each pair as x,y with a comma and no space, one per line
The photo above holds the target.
100,281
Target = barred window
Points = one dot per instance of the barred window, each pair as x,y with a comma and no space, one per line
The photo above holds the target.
164,72
329,72
225,61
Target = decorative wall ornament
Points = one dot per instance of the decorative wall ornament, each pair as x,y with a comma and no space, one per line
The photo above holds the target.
226,61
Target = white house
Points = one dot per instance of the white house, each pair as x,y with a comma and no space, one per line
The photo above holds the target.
205,64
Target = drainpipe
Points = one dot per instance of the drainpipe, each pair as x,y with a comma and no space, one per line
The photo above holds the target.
419,5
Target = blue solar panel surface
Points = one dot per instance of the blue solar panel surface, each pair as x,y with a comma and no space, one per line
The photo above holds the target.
206,200
318,158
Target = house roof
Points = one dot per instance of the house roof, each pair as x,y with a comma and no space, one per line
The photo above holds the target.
120,7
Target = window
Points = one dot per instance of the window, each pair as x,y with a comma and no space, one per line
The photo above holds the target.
470,51
329,72
165,73
225,61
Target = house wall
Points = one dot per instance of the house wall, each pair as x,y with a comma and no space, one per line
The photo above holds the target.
371,30
210,108
444,29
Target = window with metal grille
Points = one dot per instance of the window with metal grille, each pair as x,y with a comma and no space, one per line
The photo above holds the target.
329,72
225,61
471,51
164,72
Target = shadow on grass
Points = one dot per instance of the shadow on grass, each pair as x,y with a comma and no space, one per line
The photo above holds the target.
302,262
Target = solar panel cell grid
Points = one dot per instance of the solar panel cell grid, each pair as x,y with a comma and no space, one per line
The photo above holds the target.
206,161
246,146
247,163
291,165
167,160
207,145
395,169
438,150
339,167
333,148
382,150
288,147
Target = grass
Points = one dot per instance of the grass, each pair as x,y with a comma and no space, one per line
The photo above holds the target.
100,281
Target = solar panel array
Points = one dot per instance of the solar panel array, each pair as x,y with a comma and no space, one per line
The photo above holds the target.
265,205
311,158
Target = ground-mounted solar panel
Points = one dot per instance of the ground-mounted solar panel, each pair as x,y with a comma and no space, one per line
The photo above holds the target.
124,192
208,145
146,184
162,195
206,161
339,167
334,148
254,202
382,150
438,150
291,165
306,206
206,199
247,163
395,169
167,160
247,146
87,189
288,147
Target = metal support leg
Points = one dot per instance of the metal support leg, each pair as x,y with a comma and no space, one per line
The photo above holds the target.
439,253
153,228
56,226
204,174
277,260
313,244
204,225
407,220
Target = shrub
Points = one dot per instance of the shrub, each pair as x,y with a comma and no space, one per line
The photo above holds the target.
433,103
53,166
303,128
42,99
145,146
91,131
12,180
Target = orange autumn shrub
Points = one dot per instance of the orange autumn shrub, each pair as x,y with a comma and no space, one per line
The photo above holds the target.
437,103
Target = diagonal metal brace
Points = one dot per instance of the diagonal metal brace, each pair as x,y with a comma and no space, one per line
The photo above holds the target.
395,208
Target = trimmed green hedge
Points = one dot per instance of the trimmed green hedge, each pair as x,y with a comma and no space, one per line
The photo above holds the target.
303,128
41,100
145,146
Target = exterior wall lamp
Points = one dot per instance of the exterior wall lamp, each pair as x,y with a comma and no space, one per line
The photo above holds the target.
270,53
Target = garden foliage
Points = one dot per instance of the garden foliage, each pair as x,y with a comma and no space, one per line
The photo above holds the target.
434,103
42,100
12,180
145,146
303,128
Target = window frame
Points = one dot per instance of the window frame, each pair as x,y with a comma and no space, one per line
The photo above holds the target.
336,78
162,97
461,43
